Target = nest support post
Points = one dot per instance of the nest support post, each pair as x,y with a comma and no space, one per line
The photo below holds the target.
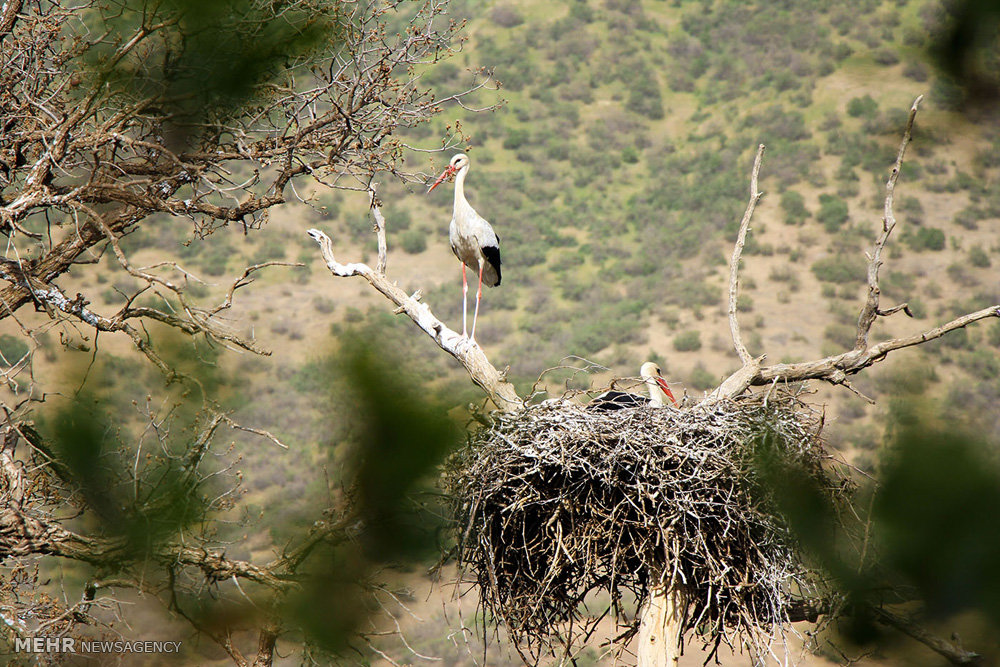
661,625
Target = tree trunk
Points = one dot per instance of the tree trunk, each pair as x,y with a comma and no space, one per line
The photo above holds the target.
660,624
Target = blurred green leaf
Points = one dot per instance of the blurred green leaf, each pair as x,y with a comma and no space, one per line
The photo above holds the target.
399,436
143,493
162,500
198,59
402,437
966,48
936,521
934,528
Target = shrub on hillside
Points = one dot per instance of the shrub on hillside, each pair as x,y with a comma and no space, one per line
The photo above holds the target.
956,340
979,257
862,106
947,94
268,252
688,341
886,57
832,212
515,138
506,16
959,272
969,217
926,238
993,334
413,241
913,209
213,261
442,74
644,93
630,155
794,206
701,379
898,283
839,268
775,122
557,150
842,335
983,364
398,219
917,308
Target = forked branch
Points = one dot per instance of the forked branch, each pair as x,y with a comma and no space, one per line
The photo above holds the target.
835,368
871,310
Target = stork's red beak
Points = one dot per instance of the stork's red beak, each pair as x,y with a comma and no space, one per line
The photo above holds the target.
448,172
666,389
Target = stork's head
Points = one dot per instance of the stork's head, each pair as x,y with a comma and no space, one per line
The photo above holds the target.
650,374
457,163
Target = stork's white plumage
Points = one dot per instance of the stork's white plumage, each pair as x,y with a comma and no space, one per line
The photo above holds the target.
657,387
473,240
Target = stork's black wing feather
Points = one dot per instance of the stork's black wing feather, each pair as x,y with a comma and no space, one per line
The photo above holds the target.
492,255
617,400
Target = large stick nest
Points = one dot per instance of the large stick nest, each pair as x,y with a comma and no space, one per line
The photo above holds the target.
554,503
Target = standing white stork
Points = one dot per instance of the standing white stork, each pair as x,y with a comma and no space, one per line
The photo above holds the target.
472,239
657,387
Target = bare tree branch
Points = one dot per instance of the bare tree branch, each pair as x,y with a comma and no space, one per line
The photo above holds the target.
22,535
734,265
379,230
737,383
471,356
956,655
265,646
836,368
871,308
9,16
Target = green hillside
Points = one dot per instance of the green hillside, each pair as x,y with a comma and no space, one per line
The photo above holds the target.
615,170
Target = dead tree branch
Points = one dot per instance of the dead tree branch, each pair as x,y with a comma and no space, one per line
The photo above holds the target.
871,310
734,265
738,382
471,356
9,16
837,368
956,655
379,228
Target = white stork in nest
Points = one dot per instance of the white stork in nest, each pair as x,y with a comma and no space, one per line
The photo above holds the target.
657,387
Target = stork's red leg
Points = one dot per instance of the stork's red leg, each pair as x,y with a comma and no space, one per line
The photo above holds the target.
465,291
479,295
